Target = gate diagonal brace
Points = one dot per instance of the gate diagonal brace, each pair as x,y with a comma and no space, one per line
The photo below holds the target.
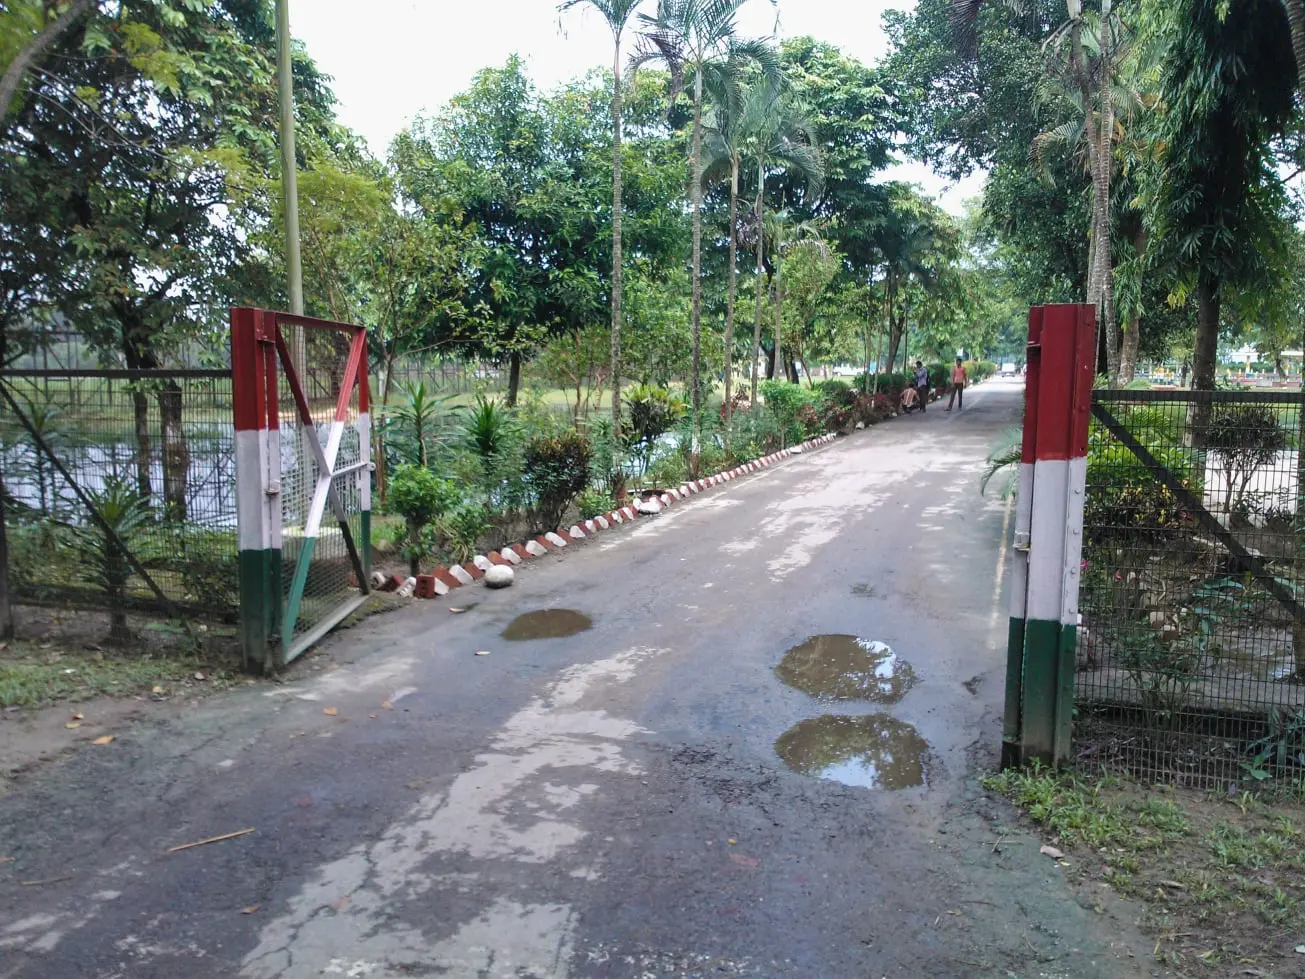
1248,561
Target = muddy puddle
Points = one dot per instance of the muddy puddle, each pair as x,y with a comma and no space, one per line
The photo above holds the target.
548,623
847,668
874,751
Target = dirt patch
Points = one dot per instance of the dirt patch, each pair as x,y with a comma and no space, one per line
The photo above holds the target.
1221,875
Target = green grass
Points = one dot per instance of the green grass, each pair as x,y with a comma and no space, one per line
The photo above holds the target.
1222,877
31,676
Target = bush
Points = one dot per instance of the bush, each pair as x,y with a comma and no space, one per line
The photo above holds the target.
421,498
793,407
594,503
891,384
1244,440
459,532
650,414
669,470
555,470
1124,497
106,557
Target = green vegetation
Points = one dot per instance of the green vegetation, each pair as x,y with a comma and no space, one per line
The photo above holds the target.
1221,875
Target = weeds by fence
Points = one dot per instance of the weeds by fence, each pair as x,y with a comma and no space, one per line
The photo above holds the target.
1192,644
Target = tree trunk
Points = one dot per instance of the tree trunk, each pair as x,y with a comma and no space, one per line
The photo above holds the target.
780,369
6,601
514,378
141,411
31,53
733,286
1128,350
759,209
176,453
616,241
696,196
1296,18
1204,357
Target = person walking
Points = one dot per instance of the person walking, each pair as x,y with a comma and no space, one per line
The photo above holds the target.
959,377
922,384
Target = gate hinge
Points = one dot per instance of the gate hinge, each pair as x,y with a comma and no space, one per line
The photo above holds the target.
1022,541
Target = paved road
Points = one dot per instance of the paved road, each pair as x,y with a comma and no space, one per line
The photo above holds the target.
610,803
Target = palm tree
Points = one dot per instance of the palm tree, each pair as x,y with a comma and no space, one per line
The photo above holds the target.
617,13
774,133
1093,43
690,37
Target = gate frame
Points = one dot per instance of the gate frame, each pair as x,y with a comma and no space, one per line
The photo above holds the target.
1038,721
258,353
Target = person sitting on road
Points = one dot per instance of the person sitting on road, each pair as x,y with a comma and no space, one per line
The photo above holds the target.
910,399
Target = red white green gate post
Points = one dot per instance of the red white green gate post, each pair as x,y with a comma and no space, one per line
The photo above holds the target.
1049,534
258,475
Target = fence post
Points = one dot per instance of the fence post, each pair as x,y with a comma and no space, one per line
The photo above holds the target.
255,496
1049,534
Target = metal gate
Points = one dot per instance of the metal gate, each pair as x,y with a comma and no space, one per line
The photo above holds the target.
303,502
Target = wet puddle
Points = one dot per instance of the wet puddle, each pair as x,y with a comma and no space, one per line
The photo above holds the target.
874,752
548,623
847,668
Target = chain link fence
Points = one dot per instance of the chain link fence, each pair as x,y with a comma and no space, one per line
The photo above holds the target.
119,491
1191,648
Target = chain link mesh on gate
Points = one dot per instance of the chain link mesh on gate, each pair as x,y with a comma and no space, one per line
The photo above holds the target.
330,578
1192,643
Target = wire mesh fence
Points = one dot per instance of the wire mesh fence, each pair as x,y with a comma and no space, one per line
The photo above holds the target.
1192,640
120,490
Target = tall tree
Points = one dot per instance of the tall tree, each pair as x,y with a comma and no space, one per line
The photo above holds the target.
617,13
690,37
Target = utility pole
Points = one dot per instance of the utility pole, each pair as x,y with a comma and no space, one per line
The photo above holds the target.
289,168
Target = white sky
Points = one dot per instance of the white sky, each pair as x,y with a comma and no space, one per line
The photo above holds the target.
404,57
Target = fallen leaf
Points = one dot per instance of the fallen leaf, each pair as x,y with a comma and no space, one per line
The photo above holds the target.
744,861
1051,851
731,842
250,910
7,859
372,716
338,905
79,717
330,711
1174,884
482,652
103,739
73,724
457,611
386,705
158,689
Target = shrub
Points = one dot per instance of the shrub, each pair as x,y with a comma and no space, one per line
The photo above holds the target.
594,503
421,498
414,423
555,470
460,531
888,383
793,407
127,514
650,414
1125,498
1243,440
669,470
489,424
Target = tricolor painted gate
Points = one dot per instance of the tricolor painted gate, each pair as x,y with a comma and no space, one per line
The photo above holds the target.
303,503
1049,534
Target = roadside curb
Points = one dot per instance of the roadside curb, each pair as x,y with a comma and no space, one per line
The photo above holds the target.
443,580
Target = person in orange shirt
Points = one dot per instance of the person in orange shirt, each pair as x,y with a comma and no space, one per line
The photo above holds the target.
959,377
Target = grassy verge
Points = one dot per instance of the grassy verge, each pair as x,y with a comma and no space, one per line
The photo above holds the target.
1222,876
40,674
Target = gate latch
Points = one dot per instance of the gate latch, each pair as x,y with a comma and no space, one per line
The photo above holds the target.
1022,541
